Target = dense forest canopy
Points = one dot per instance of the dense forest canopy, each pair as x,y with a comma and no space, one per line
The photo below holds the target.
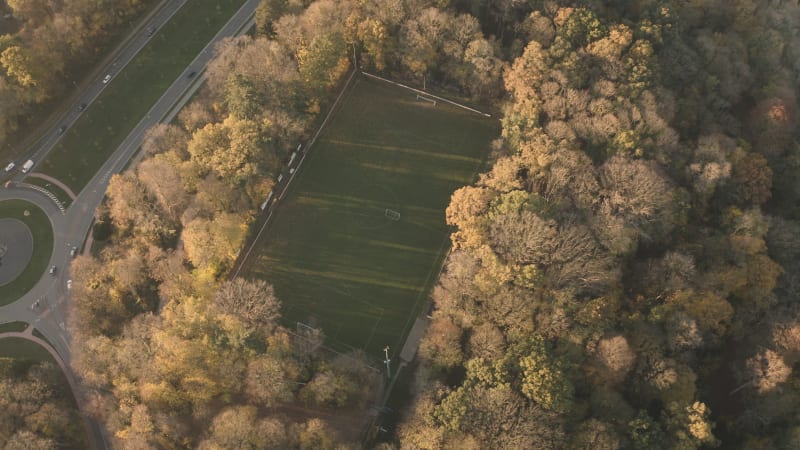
36,408
623,275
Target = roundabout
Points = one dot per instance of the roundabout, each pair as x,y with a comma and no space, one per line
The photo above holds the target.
26,245
16,249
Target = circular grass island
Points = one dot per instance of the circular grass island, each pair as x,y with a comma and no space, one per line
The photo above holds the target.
26,244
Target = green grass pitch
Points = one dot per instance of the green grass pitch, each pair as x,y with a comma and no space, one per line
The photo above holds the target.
336,258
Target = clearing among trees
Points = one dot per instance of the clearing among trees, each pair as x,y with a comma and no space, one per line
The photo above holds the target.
335,251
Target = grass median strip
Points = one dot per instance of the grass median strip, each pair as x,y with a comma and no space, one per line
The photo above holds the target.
13,327
133,91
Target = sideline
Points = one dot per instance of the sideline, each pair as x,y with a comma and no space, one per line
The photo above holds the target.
73,385
418,91
305,149
55,181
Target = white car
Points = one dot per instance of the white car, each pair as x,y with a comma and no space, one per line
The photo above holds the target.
10,167
69,284
107,79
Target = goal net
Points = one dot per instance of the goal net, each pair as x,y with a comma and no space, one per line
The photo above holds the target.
423,98
392,214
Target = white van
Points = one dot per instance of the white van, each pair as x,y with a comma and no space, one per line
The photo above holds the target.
27,166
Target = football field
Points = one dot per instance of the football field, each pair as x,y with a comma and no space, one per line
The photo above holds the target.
357,241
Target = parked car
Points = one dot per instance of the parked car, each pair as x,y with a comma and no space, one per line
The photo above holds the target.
69,284
107,79
10,167
73,252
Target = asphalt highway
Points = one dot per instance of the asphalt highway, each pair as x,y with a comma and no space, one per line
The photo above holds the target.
72,227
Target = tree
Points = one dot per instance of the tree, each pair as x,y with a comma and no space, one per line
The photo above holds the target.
523,238
270,380
240,427
92,310
637,194
466,205
329,388
323,62
522,115
442,343
213,244
161,138
159,177
133,210
251,302
615,357
753,178
766,370
241,97
595,434
269,11
543,379
232,149
690,425
315,434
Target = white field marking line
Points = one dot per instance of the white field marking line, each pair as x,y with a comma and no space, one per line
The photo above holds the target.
430,100
428,94
253,244
374,328
316,135
423,292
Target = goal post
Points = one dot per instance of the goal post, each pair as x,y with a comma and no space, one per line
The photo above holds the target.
392,214
427,99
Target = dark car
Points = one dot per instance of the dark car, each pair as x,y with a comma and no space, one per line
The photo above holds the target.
82,106
191,74
62,129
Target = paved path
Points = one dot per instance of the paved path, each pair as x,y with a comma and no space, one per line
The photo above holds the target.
71,228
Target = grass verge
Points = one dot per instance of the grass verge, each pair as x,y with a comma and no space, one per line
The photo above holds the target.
42,232
19,348
335,257
13,327
132,92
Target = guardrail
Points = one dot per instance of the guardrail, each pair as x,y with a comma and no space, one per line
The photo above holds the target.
44,191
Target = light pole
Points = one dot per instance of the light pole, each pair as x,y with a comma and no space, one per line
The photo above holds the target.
387,361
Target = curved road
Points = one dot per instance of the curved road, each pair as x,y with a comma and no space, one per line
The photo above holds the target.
71,227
